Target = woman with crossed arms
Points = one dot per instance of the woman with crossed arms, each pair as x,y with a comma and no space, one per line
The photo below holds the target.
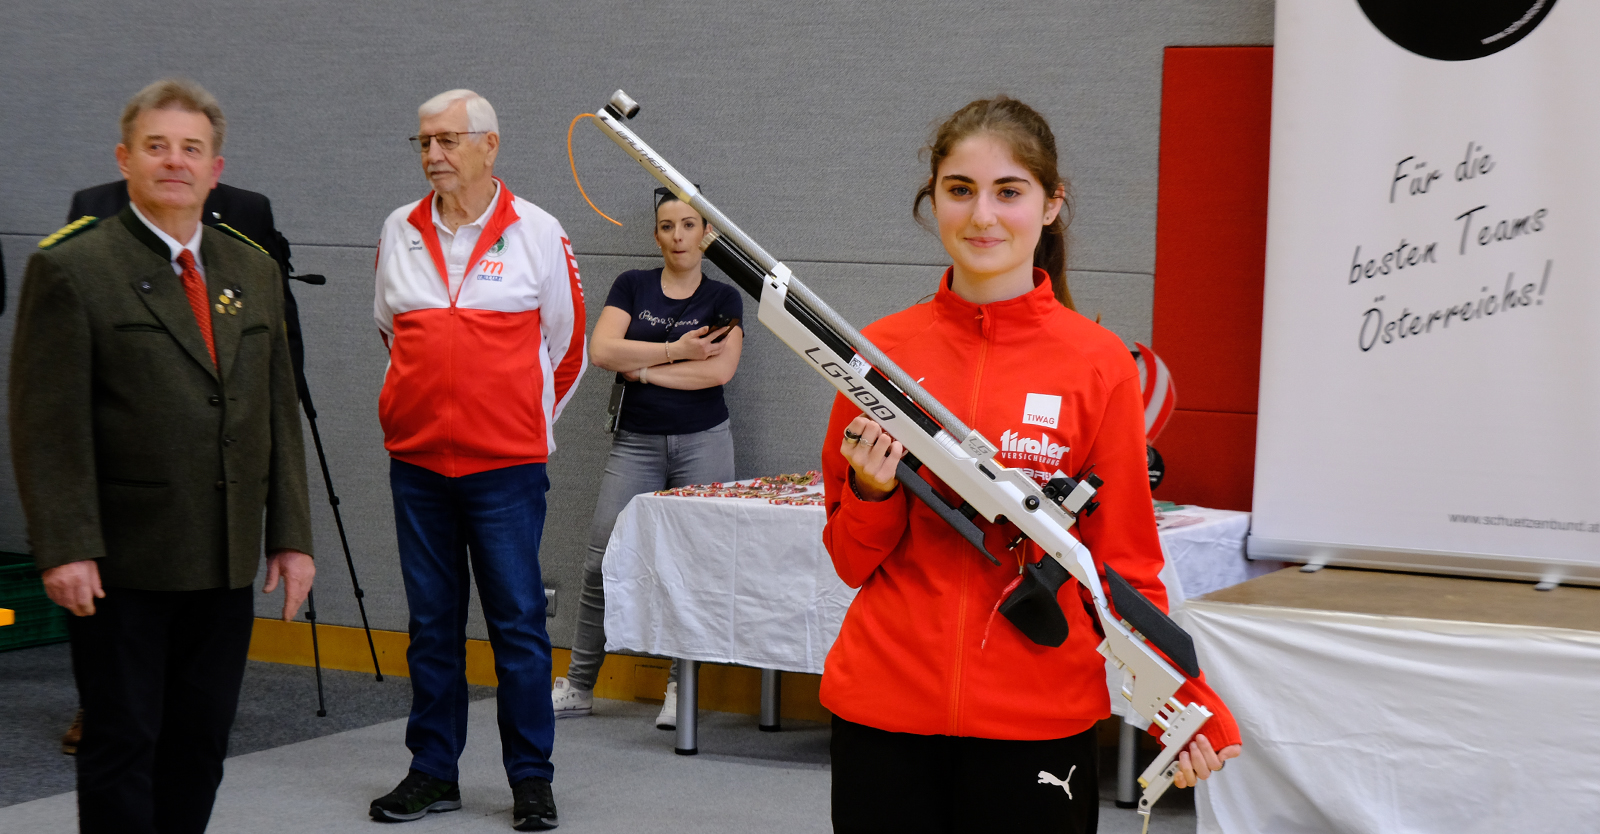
673,337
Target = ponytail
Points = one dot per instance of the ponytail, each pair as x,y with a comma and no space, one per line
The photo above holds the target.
1051,256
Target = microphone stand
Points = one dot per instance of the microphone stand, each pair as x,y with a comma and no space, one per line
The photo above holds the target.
316,651
304,391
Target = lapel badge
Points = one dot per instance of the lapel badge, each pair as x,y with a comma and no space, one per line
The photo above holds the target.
230,301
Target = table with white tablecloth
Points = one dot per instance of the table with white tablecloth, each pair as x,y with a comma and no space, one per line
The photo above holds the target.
723,580
1383,702
748,582
1204,549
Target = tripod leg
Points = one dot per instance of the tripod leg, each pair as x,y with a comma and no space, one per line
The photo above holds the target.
338,520
316,651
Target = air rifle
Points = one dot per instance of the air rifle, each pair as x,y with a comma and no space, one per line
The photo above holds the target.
936,439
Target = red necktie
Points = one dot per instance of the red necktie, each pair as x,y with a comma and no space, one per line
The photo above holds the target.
199,300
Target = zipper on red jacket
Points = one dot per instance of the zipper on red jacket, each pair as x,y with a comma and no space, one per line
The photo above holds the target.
450,369
422,219
961,635
984,332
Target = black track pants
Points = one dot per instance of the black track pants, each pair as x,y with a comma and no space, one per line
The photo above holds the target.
890,782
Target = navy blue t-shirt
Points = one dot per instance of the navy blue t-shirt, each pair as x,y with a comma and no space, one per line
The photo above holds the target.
653,317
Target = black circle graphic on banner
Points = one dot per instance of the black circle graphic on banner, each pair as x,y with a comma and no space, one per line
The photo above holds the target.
1456,30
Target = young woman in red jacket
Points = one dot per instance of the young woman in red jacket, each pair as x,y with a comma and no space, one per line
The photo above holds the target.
946,717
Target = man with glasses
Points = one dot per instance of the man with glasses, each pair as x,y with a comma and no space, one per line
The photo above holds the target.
480,305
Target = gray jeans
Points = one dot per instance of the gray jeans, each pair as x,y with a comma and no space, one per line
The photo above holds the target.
638,463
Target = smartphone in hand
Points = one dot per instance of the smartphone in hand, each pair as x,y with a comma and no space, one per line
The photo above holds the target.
723,323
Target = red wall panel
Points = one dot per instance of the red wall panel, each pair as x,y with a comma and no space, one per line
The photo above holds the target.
1211,232
1210,457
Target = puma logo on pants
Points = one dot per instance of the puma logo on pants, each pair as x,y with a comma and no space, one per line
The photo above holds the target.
1048,778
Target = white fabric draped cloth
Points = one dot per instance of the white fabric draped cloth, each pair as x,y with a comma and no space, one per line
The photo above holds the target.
723,580
1365,724
744,581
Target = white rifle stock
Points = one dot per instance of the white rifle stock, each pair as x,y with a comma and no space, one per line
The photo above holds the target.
937,439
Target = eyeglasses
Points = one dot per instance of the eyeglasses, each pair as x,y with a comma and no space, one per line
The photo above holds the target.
448,140
663,194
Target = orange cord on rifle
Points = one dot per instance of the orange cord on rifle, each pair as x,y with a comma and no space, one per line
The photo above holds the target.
571,160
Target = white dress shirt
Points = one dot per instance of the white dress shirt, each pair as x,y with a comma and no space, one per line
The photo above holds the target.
172,243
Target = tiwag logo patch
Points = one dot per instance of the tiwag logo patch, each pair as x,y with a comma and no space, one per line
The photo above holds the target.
1042,410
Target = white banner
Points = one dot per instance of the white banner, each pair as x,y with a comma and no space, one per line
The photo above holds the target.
1430,377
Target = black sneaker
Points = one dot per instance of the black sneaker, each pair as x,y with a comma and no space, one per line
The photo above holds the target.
533,807
417,796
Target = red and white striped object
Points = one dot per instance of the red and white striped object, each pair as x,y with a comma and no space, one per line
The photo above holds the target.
1160,395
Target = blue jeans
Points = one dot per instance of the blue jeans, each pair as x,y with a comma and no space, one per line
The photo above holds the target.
638,463
492,521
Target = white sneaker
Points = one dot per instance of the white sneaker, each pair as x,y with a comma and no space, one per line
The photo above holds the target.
668,718
569,701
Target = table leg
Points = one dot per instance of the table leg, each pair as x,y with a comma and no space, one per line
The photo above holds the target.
1127,761
771,701
688,707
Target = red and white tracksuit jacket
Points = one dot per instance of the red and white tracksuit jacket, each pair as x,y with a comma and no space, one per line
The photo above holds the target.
476,382
1055,391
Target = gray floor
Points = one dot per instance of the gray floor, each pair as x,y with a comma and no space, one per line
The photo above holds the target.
277,706
614,771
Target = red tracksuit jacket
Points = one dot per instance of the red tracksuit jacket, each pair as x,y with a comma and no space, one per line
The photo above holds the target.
477,379
1055,391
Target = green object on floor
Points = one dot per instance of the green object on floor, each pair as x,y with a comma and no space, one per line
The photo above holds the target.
38,620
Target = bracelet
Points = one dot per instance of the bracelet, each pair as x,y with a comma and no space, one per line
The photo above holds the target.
668,346
850,478
644,374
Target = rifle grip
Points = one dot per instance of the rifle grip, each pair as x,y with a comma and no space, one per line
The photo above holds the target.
1033,607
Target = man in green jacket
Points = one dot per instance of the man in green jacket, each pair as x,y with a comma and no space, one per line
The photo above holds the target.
153,430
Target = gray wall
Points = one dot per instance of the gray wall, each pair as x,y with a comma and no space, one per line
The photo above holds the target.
801,120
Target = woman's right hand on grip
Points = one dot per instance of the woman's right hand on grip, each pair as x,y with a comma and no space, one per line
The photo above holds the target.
873,456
